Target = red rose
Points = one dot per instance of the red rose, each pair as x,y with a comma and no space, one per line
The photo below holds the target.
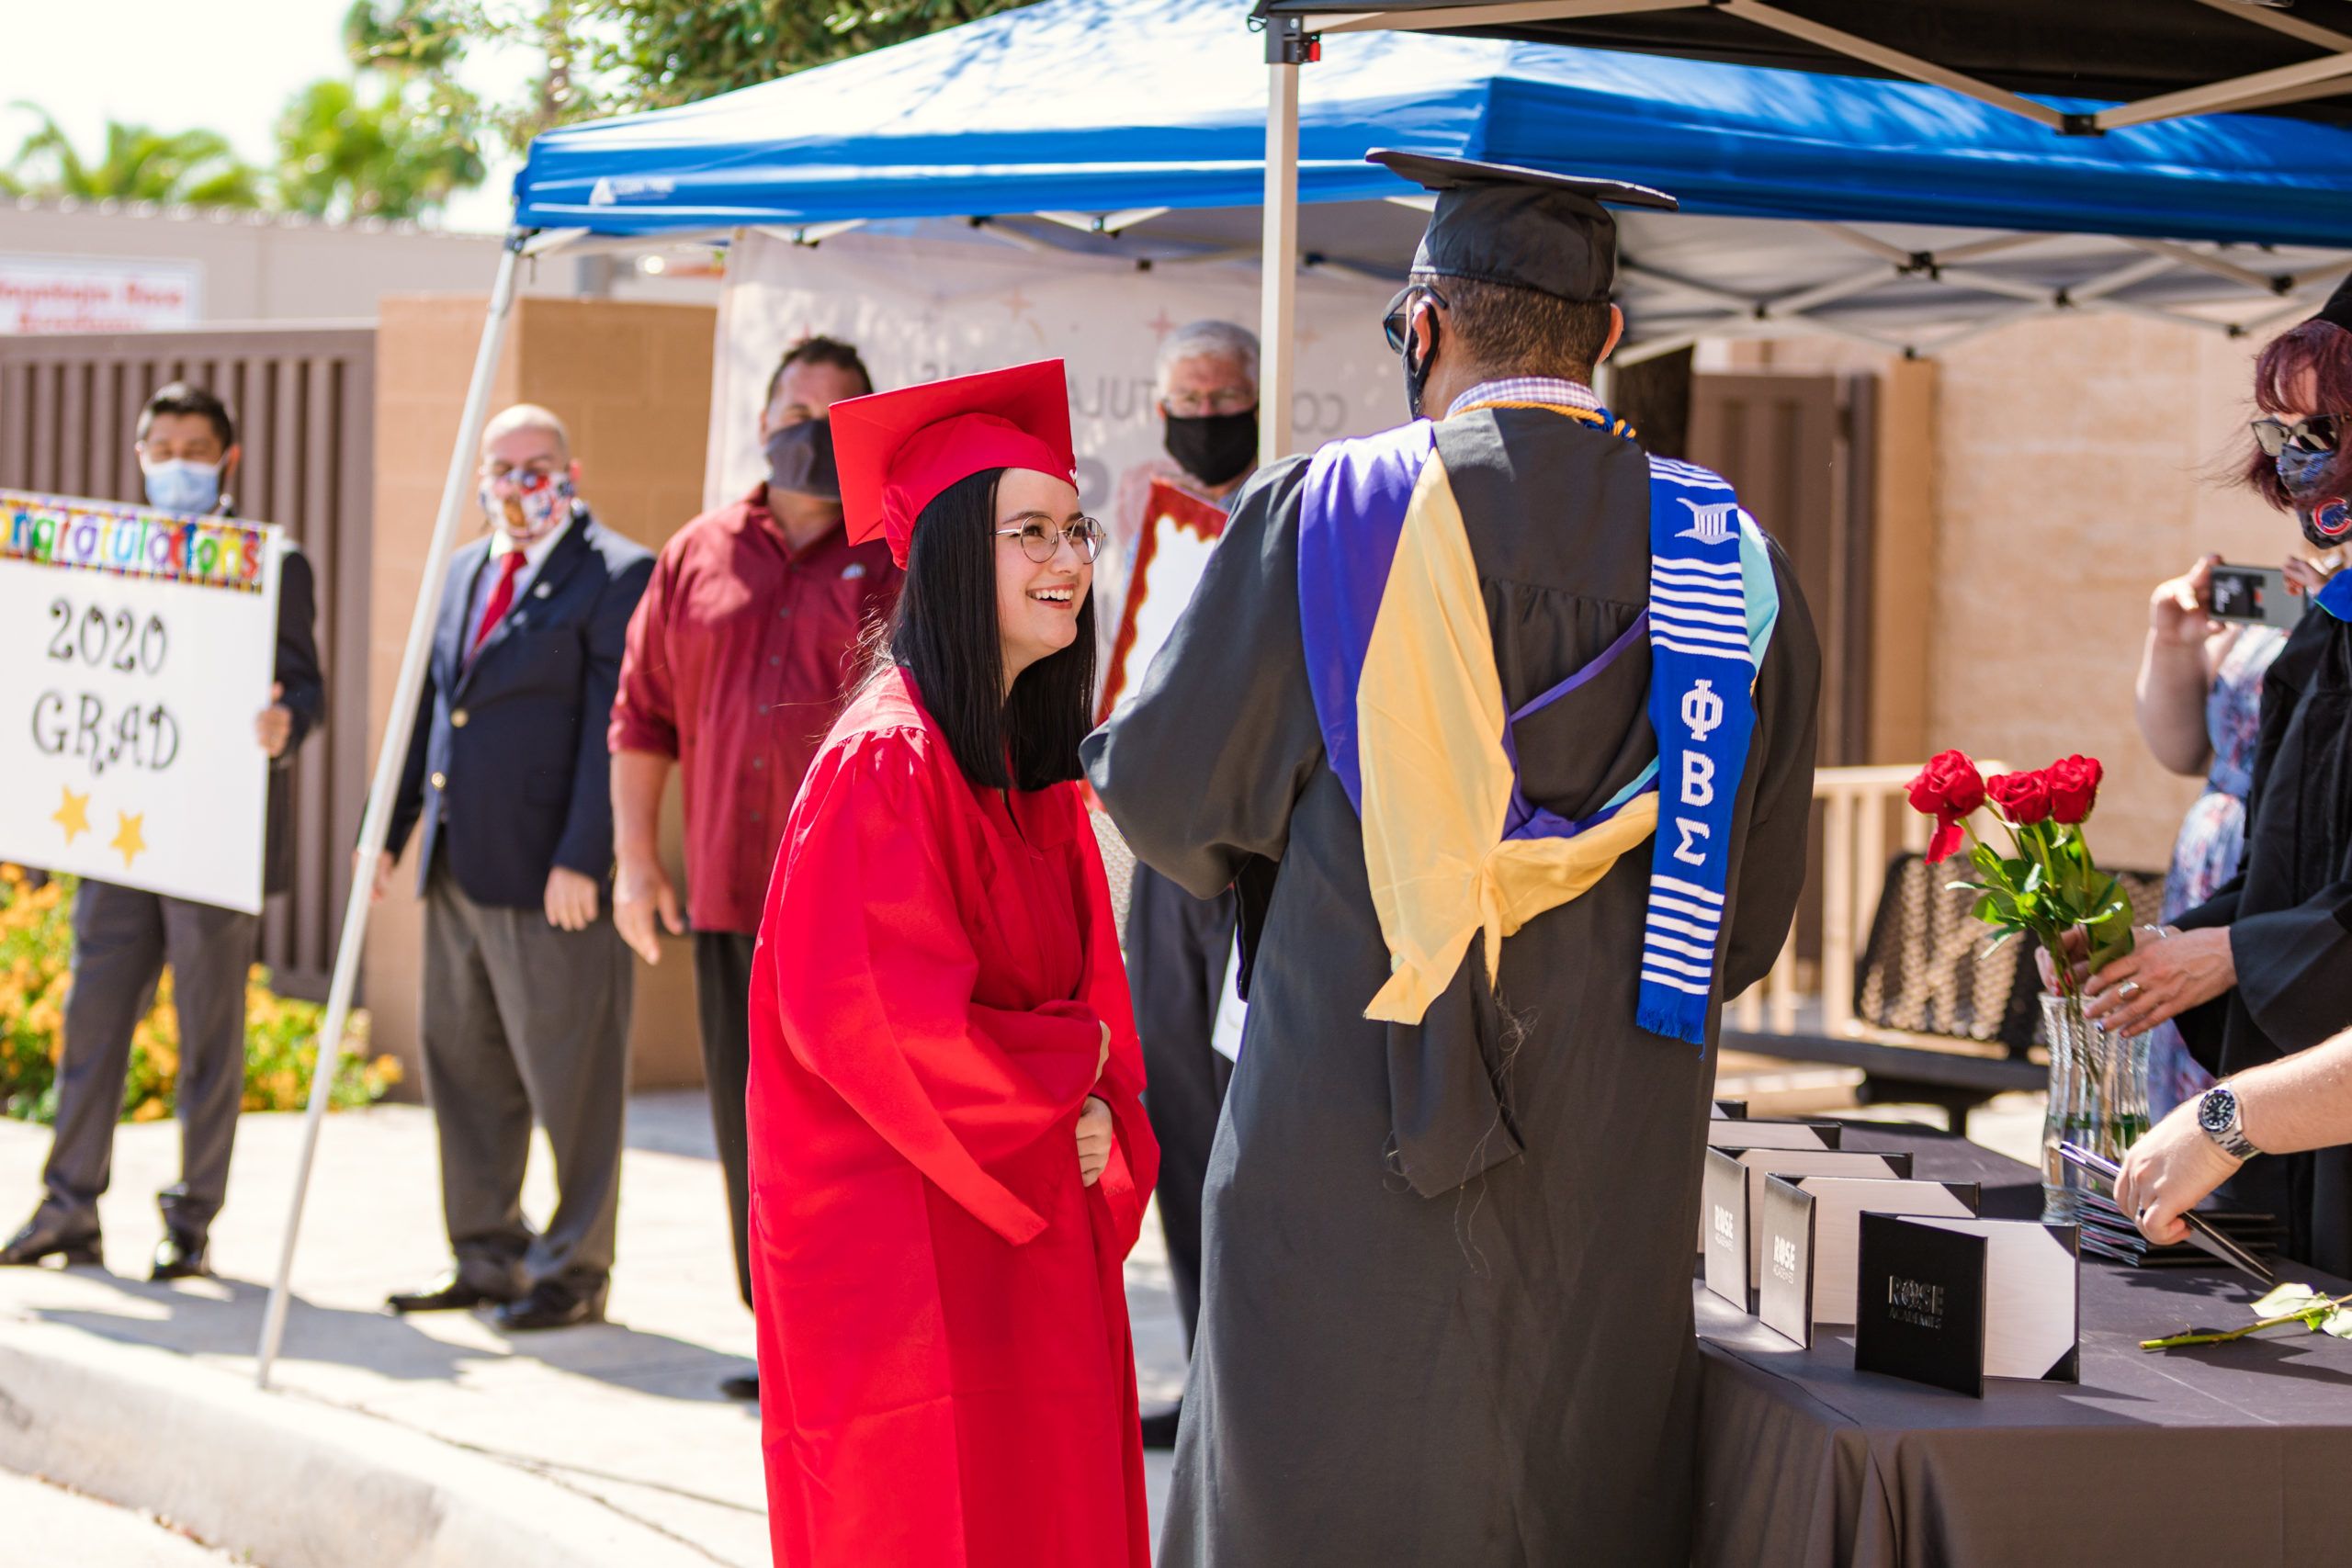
2024,798
2073,787
1947,789
1949,786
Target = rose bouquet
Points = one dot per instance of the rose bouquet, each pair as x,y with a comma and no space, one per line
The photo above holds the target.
2049,886
2047,889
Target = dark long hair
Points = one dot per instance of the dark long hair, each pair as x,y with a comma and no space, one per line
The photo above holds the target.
944,634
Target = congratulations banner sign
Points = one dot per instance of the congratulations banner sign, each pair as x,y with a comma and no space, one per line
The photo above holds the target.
143,643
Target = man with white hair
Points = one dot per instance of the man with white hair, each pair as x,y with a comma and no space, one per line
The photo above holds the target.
1205,382
526,983
1179,947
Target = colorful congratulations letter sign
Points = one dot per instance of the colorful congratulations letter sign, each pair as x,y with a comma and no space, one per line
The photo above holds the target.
143,643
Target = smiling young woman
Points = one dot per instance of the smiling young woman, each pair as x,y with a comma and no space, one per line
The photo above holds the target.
949,1156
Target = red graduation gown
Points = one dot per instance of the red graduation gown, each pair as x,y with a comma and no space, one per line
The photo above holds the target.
946,1376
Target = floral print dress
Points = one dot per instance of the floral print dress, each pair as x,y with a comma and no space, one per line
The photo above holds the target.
2213,834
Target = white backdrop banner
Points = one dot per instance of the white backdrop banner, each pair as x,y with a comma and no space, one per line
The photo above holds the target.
143,643
920,309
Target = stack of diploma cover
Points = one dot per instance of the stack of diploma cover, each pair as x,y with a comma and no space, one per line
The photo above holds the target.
1805,1233
2245,1242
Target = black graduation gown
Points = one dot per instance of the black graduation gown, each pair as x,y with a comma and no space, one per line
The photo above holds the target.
1446,1313
2290,916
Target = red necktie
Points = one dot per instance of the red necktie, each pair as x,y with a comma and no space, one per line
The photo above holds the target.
501,598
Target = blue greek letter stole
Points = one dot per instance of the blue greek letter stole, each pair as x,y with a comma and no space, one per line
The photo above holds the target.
1400,660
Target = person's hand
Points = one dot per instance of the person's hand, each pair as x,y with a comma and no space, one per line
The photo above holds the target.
2168,1172
1093,1140
571,899
2078,943
1102,1056
2180,610
382,881
273,726
642,891
2308,578
2161,979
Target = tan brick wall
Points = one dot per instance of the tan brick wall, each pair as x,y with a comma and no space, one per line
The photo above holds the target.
2074,466
632,381
2075,470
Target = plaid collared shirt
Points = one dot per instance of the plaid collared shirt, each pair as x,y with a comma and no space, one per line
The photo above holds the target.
1528,390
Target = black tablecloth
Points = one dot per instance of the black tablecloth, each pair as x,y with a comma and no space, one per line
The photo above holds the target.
2235,1454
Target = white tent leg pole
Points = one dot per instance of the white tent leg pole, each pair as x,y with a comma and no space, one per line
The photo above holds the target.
1277,369
376,819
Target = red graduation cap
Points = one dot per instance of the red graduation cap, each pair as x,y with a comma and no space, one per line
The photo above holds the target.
896,451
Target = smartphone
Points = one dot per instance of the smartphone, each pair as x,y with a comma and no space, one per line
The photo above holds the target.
2255,594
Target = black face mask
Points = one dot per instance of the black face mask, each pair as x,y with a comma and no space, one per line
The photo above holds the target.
800,460
1416,364
1215,449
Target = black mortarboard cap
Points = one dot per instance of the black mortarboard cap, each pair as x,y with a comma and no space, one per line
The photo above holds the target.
2339,308
1527,228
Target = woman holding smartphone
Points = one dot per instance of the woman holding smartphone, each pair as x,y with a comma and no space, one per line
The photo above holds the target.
2199,702
949,1156
2262,968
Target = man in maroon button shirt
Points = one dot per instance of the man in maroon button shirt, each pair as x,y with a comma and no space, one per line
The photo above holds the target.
738,659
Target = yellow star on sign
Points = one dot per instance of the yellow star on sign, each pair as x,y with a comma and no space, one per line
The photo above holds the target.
72,815
127,839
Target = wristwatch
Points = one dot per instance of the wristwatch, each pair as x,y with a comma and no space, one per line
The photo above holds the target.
2217,1114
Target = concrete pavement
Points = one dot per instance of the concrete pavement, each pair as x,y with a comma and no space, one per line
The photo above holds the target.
48,1524
430,1439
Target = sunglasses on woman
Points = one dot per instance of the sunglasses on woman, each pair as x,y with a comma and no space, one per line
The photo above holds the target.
2320,432
1397,321
1041,540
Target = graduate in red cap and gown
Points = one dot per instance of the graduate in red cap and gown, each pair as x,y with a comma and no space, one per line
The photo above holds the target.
949,1154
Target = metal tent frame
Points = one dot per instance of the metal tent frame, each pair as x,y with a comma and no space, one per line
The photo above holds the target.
1294,30
1824,34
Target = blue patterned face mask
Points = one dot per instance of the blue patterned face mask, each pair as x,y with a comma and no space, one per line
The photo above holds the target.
2300,469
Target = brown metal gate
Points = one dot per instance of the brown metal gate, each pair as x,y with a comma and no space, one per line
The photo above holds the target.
304,402
1798,450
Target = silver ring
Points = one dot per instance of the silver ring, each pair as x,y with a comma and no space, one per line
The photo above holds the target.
2129,989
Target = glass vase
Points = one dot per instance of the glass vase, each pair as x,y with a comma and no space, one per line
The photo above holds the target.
2098,1098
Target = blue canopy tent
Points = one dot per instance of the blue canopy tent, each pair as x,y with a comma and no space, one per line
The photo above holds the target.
1042,109
1141,124
1037,111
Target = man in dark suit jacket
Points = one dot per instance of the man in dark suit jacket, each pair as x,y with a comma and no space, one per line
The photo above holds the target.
526,984
124,936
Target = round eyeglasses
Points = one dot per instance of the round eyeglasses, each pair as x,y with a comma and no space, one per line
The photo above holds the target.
2320,432
1197,405
1041,540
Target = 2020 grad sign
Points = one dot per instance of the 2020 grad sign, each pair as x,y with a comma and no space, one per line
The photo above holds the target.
143,643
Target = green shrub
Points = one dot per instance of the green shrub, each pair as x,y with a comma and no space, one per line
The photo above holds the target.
36,972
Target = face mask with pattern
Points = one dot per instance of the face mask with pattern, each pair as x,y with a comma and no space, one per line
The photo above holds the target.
2325,518
538,503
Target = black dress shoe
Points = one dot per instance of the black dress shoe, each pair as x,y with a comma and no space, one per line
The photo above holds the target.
42,1239
180,1256
1159,1425
553,1304
745,1386
448,1293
